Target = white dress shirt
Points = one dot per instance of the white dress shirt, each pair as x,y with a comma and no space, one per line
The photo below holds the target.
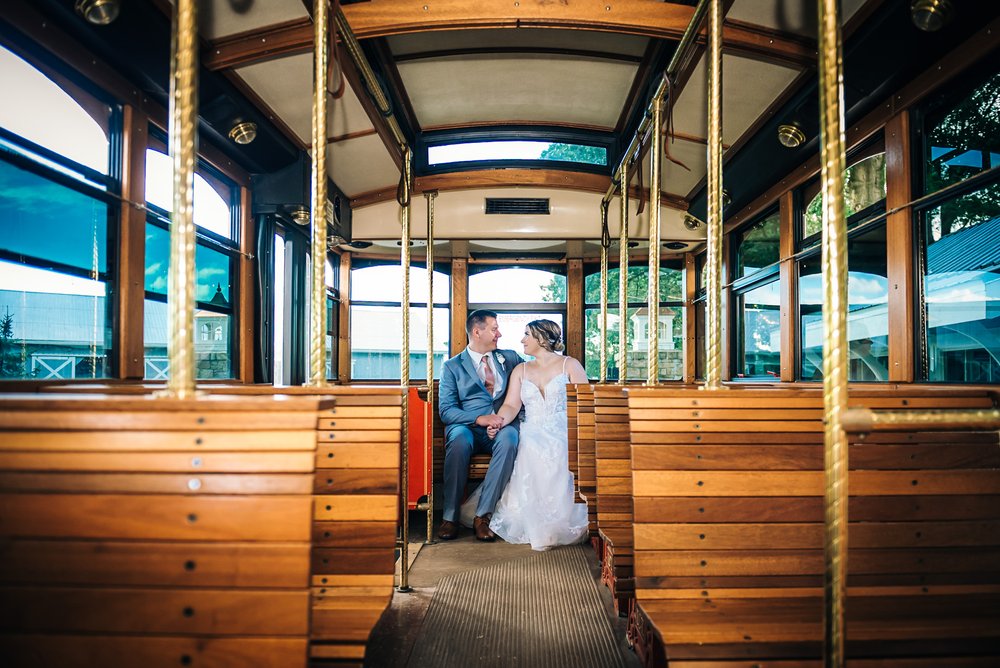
491,360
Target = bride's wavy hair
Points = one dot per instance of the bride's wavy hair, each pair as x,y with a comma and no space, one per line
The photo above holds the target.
548,335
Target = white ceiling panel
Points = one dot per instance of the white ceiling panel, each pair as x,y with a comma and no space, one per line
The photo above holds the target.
361,165
285,85
220,18
674,178
748,88
507,88
797,17
521,38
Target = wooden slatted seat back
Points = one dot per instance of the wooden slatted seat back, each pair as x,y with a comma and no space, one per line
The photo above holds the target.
586,455
572,431
728,504
614,491
139,531
356,508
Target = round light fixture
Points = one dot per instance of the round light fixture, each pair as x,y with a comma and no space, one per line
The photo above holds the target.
727,199
243,132
675,245
300,215
98,12
790,135
931,15
633,244
360,244
691,222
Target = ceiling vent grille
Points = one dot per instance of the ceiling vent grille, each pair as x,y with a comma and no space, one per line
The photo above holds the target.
517,205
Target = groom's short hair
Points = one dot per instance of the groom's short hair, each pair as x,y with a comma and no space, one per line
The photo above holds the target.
477,319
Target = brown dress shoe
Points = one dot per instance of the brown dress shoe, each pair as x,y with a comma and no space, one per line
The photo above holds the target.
448,531
482,528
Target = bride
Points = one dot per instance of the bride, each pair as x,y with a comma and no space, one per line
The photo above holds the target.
537,505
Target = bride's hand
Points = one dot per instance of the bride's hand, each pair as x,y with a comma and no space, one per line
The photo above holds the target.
492,432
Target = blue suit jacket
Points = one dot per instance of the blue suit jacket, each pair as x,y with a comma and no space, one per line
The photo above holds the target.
463,396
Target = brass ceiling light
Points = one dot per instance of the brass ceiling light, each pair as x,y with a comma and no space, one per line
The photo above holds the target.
98,12
300,215
243,132
691,222
931,15
727,199
790,135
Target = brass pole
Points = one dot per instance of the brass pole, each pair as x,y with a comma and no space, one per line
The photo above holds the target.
183,131
713,361
623,282
605,243
404,371
856,420
834,263
317,311
430,196
653,298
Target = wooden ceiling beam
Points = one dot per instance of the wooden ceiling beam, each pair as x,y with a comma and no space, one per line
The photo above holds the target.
648,18
505,178
245,48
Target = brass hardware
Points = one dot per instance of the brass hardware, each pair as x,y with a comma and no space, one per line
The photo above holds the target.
317,311
300,215
623,246
244,132
653,301
183,138
931,15
790,135
98,12
716,201
834,265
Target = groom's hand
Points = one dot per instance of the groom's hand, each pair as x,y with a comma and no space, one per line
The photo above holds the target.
488,421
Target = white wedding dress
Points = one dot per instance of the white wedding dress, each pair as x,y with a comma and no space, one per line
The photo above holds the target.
537,506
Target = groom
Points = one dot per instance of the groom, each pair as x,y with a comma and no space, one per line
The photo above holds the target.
473,387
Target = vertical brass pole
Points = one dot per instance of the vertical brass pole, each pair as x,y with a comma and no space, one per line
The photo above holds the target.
183,131
653,298
834,262
623,280
404,372
317,311
429,196
602,376
713,362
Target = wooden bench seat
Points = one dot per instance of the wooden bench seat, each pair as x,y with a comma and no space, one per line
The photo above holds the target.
728,531
355,440
586,457
136,530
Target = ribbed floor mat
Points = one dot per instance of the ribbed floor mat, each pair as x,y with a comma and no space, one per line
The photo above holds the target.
539,611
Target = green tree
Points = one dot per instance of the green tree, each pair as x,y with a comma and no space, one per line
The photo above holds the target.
591,155
11,361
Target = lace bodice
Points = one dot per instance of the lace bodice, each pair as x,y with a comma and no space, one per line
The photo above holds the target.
545,405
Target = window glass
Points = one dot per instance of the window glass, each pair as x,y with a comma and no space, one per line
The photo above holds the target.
864,185
961,284
671,285
671,326
670,343
963,140
384,283
513,323
517,285
760,332
212,342
43,112
212,269
377,337
213,201
867,310
48,224
52,325
757,246
516,150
